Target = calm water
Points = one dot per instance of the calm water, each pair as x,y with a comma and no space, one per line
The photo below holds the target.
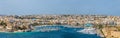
64,32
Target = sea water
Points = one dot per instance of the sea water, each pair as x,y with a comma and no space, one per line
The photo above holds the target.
46,32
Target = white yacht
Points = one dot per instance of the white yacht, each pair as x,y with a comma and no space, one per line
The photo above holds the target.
88,31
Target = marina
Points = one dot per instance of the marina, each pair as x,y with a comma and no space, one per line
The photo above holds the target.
63,32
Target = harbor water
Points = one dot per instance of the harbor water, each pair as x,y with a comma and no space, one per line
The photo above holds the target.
55,31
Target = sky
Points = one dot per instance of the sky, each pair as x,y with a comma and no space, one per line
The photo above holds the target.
26,7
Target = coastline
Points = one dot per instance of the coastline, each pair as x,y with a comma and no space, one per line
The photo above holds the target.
100,33
52,25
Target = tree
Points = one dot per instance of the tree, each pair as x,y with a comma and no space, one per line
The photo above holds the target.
3,23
